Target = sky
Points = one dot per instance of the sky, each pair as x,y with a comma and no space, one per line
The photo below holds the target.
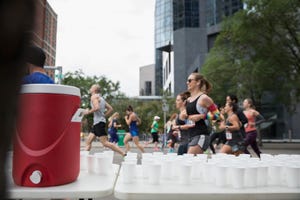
111,38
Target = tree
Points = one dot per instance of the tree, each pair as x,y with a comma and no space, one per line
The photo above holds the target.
146,110
109,89
258,51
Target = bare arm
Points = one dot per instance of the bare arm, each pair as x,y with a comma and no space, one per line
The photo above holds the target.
234,120
117,125
109,109
128,119
258,117
110,123
183,127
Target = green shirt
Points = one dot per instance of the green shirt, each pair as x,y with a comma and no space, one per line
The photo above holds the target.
155,127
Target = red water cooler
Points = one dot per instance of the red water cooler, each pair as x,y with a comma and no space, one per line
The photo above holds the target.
47,140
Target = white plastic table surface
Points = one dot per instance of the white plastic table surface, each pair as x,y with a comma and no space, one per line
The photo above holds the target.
170,189
86,186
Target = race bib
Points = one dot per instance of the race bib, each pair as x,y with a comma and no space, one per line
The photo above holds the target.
228,135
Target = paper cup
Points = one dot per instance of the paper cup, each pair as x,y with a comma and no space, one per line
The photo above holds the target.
91,163
128,172
238,177
274,174
262,176
145,167
167,169
130,160
221,171
293,176
83,160
103,164
154,173
197,169
250,179
185,174
110,154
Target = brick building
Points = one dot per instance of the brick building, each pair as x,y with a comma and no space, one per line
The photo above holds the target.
44,34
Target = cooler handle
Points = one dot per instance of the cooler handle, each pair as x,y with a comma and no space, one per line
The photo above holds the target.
78,115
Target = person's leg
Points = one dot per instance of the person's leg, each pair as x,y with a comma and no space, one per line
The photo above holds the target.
89,141
180,150
255,148
226,149
136,142
253,143
194,150
113,137
213,137
110,137
155,139
173,141
126,140
106,143
117,138
247,141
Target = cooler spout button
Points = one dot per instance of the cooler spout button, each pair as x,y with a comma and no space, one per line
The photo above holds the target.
36,177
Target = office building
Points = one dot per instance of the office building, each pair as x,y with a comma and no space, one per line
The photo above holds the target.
185,30
147,78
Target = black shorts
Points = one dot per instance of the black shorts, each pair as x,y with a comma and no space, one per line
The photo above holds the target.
99,129
154,136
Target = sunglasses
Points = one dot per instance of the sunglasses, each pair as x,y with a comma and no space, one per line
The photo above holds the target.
190,80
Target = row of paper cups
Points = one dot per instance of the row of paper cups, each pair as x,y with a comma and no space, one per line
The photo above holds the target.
222,170
98,163
153,173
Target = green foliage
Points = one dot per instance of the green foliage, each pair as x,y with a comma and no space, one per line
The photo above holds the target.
109,89
258,51
145,109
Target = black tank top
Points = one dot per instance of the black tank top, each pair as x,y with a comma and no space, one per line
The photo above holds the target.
200,127
184,133
236,135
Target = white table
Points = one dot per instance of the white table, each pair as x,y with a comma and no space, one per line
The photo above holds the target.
86,186
170,189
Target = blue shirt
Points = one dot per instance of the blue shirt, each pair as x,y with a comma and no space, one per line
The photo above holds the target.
37,77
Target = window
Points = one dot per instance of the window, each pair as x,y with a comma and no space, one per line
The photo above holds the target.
148,89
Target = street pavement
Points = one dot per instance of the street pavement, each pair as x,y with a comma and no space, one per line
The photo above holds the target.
268,148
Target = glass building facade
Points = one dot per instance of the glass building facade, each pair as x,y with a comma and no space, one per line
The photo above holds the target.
186,13
216,10
163,23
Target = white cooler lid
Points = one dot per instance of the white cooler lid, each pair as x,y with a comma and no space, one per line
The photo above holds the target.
50,89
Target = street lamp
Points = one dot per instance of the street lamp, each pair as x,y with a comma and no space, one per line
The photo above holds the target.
165,108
